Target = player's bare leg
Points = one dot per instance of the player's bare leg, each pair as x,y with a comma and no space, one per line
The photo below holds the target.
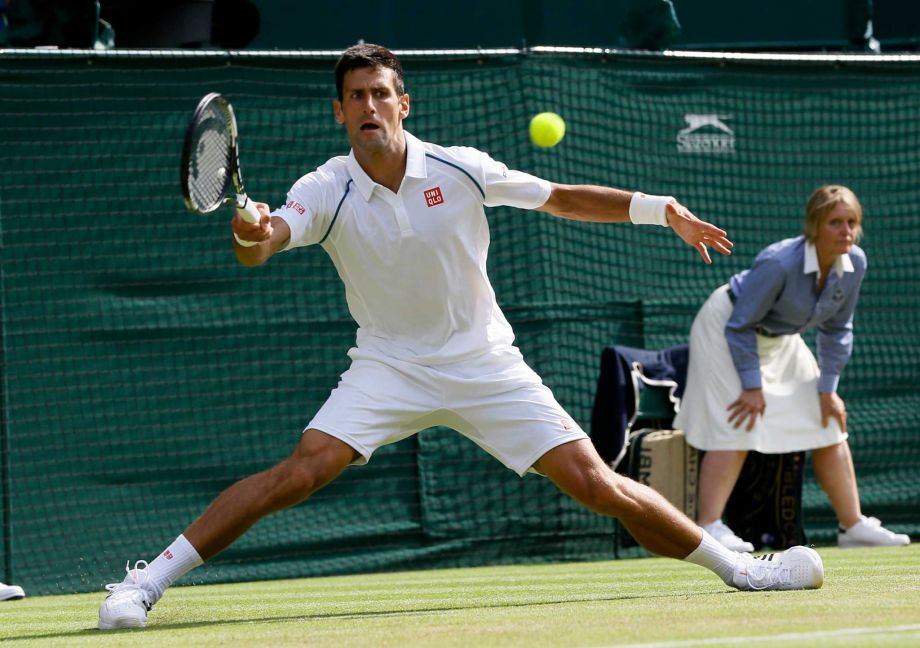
654,522
317,460
658,526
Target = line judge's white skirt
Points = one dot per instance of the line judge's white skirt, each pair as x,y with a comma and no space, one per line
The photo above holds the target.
792,420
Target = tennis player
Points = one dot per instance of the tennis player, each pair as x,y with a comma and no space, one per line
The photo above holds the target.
753,384
404,224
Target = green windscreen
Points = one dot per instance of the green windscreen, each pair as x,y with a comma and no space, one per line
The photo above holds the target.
144,370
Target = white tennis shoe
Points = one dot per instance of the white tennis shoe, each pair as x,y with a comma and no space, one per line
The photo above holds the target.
869,532
726,537
128,602
797,568
10,592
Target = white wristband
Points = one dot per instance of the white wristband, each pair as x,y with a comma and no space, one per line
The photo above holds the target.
649,210
244,243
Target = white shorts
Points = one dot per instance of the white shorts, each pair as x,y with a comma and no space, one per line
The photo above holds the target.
496,401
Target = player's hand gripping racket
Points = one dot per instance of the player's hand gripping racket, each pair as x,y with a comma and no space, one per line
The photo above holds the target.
211,162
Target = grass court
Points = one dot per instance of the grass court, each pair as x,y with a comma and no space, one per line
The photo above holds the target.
871,597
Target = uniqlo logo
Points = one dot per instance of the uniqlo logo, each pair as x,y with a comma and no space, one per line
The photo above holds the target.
296,206
433,196
168,554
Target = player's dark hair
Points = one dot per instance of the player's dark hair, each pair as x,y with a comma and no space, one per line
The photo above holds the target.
366,55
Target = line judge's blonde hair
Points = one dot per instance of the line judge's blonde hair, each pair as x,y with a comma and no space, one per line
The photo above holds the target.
822,201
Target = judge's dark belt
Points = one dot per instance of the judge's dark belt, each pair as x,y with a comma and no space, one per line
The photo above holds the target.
759,330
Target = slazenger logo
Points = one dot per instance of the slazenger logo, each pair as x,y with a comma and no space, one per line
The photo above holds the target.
705,134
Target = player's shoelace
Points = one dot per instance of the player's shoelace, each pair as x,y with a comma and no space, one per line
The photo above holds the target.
139,577
762,575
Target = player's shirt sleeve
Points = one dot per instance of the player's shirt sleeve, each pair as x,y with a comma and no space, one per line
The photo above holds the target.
306,209
504,186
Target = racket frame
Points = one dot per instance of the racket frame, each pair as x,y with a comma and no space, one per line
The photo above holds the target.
245,207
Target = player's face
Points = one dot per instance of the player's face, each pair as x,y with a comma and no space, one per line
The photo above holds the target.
837,232
371,110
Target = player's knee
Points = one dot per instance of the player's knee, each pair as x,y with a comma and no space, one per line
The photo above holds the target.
292,482
302,479
622,497
603,491
310,467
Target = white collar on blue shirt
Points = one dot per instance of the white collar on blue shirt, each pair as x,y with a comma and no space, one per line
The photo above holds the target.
841,265
415,166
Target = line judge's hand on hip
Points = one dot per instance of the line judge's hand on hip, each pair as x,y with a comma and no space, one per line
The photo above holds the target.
748,407
833,406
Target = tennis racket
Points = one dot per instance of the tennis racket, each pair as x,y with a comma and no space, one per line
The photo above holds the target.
211,162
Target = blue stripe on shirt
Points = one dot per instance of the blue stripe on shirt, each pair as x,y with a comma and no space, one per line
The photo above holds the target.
337,210
459,168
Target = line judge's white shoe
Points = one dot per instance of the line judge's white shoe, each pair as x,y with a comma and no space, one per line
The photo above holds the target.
128,602
797,568
727,538
869,532
10,592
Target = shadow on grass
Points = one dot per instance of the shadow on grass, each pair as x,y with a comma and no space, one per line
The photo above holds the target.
344,616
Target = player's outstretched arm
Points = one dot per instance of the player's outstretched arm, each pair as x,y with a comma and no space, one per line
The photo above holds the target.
608,205
269,235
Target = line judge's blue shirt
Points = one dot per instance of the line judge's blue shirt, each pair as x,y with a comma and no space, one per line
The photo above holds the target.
779,296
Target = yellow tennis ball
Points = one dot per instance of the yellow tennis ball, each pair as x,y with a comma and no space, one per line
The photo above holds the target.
547,129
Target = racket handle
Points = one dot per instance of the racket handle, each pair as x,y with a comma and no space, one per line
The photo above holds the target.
248,211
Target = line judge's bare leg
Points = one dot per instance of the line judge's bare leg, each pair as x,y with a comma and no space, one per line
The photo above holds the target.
835,472
719,473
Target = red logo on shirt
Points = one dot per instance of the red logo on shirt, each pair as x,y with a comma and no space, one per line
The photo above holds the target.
433,196
168,554
296,205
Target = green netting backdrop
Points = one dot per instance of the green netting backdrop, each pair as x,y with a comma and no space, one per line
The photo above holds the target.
144,370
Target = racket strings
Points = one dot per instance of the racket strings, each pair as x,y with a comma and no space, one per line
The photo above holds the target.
209,174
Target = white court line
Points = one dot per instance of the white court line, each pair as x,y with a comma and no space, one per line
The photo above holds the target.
818,634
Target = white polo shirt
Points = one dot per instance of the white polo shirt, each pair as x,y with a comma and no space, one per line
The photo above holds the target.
414,262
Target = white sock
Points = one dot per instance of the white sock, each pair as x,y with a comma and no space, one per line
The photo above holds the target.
715,556
176,560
